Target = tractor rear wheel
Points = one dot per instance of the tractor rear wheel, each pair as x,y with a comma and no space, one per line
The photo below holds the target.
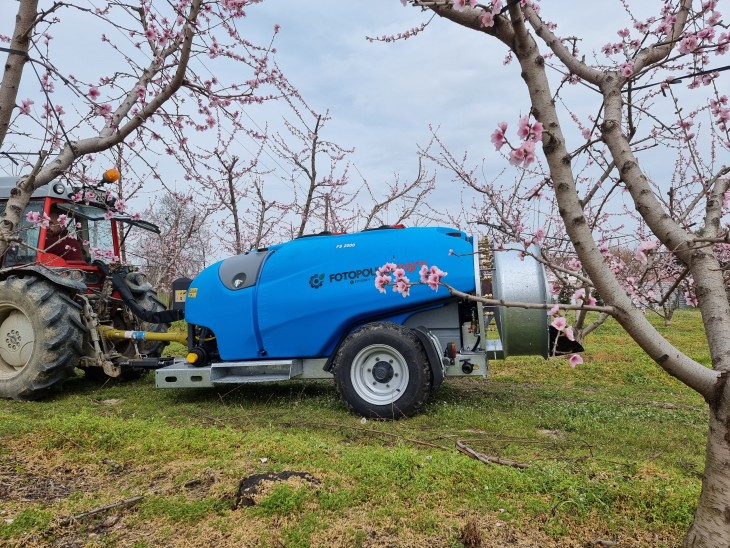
41,336
381,371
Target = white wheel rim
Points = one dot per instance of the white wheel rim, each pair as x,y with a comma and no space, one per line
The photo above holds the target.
16,341
379,374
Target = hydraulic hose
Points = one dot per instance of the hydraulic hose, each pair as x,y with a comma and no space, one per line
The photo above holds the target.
120,284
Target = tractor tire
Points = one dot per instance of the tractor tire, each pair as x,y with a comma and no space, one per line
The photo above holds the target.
382,371
41,336
146,297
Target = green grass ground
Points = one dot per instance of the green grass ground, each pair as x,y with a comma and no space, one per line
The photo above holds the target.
614,450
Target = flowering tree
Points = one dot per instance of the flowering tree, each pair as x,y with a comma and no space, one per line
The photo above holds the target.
655,94
157,93
184,245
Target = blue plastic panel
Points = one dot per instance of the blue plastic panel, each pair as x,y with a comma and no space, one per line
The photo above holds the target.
312,291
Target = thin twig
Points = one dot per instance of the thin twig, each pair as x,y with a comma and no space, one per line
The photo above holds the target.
123,502
463,448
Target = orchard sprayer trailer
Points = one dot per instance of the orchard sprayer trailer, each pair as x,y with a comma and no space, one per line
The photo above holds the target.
309,309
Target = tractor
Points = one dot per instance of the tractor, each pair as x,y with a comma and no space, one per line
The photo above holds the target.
62,289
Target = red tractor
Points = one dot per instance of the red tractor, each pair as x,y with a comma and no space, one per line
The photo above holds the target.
66,301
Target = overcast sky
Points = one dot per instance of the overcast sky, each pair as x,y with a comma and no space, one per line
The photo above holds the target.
383,96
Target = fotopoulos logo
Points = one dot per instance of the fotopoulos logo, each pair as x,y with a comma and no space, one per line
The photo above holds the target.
316,281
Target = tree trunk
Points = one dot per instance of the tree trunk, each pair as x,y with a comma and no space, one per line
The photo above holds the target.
711,524
24,20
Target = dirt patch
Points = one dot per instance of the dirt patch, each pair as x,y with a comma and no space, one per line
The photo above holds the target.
16,484
254,488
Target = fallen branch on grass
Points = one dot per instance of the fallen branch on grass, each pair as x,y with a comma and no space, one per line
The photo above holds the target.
123,502
463,448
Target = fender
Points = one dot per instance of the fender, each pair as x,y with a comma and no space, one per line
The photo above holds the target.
434,352
44,272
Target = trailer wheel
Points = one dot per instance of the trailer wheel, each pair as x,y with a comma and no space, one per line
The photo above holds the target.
382,371
40,337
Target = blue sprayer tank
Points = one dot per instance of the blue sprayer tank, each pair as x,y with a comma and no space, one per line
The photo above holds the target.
300,298
309,309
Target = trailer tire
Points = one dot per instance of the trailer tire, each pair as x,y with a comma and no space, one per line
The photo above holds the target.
382,372
41,336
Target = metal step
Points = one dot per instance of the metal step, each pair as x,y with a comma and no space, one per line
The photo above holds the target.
181,374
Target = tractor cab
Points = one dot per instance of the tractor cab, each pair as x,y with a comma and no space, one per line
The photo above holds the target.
69,229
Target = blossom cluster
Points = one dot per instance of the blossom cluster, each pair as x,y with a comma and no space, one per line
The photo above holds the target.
391,274
530,133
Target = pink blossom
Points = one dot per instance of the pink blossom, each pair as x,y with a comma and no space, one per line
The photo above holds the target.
496,6
523,131
579,294
387,268
688,44
25,106
559,323
523,155
575,359
381,282
94,93
555,310
432,277
627,68
517,156
690,299
109,215
460,5
423,273
498,139
33,217
623,33
539,235
569,333
63,220
644,248
486,20
104,110
402,286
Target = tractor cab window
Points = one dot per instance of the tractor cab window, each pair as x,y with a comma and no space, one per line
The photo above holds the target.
93,227
24,251
64,237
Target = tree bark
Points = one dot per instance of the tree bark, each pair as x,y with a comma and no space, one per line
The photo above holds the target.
24,20
711,524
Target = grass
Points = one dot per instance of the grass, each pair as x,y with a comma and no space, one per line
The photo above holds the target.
614,450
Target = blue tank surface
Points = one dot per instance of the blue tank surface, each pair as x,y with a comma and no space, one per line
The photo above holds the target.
300,298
